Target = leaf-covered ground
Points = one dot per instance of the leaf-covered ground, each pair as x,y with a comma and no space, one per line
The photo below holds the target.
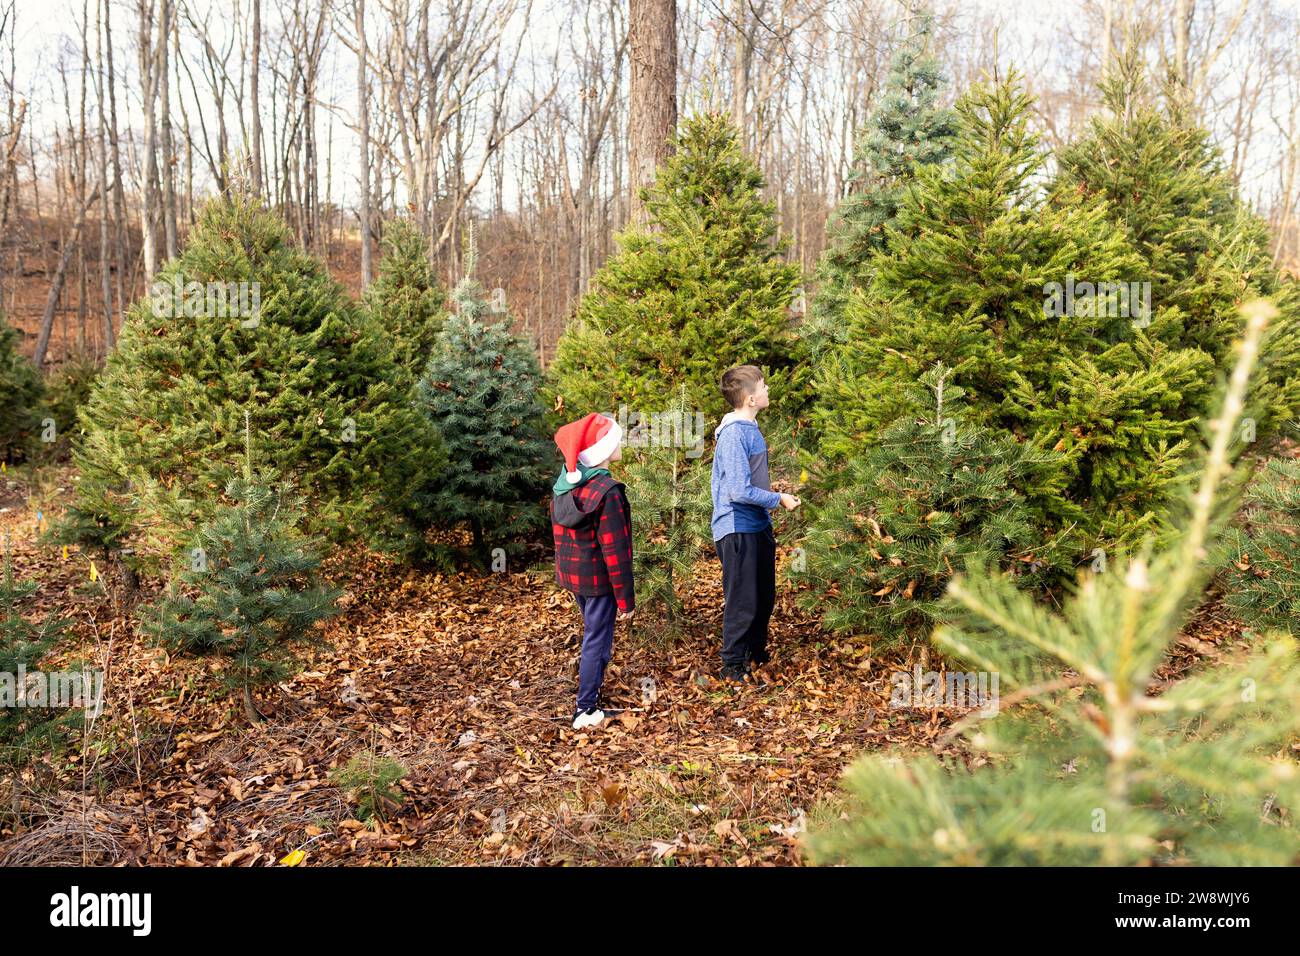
467,681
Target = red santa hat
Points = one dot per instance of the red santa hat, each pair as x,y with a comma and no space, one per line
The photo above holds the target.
589,441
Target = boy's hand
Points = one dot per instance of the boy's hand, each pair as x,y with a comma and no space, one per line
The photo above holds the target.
626,615
789,502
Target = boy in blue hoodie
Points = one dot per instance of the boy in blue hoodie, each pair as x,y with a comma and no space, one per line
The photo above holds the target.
742,528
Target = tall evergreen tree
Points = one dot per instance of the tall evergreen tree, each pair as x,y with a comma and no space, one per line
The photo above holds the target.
20,397
480,392
164,419
700,290
1204,251
1091,766
965,281
406,300
906,129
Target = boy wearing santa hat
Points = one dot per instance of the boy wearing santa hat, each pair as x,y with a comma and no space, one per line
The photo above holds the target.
592,526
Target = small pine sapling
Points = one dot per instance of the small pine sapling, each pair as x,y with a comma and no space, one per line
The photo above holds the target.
372,783
27,726
249,592
479,391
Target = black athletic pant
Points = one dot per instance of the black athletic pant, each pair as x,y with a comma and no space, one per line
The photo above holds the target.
749,592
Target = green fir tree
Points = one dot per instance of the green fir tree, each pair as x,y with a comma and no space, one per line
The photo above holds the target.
480,392
21,397
932,495
243,319
1083,757
700,290
667,480
248,591
972,277
67,390
906,129
1204,250
406,300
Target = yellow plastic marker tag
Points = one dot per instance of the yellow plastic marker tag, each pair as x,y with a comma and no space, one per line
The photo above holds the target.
94,572
293,858
65,552
803,476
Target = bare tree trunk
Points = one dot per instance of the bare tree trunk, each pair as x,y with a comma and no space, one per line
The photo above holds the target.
1182,42
652,32
185,124
60,275
1108,34
1285,218
83,178
148,79
10,173
256,103
165,121
119,197
363,119
742,63
105,214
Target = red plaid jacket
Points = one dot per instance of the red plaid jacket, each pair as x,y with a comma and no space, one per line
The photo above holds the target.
592,527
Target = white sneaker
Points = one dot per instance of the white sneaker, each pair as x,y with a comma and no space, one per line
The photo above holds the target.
587,718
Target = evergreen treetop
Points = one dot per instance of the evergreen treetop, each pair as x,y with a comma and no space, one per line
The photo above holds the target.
907,129
1204,250
966,280
703,288
406,299
287,344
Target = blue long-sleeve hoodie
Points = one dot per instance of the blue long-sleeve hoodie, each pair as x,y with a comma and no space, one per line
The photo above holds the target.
742,491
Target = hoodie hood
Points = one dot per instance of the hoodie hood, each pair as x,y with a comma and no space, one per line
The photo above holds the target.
573,511
730,418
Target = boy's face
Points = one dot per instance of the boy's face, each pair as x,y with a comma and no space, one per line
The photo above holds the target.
758,398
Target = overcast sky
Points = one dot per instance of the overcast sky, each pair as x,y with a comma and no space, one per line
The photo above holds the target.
45,38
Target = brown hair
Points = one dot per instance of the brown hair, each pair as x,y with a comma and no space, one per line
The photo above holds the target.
738,383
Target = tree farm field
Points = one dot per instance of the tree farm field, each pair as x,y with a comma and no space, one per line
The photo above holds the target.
802,435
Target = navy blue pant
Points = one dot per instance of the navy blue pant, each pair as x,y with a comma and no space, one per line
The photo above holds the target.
748,592
598,615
